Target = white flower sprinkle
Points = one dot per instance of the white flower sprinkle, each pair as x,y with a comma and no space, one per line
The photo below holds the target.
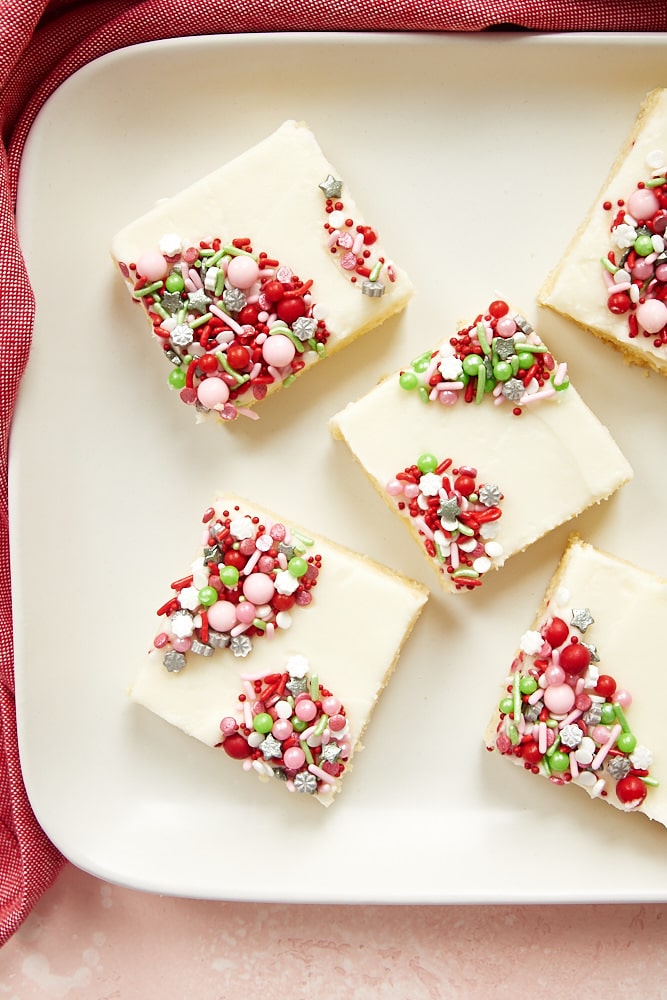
531,642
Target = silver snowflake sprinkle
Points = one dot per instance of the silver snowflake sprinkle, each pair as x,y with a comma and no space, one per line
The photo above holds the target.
593,715
171,302
373,289
181,335
533,712
297,685
201,648
234,299
199,301
449,510
490,495
581,618
240,645
271,747
592,650
330,752
331,187
522,323
571,736
513,389
504,347
304,327
305,782
618,767
218,639
173,661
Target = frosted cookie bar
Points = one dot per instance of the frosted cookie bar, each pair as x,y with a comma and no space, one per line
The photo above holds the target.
253,651
256,272
612,279
581,704
463,442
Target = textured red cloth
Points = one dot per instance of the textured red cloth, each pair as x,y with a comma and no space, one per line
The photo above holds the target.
41,44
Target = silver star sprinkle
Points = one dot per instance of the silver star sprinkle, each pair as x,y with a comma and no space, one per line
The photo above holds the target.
490,495
331,187
304,327
305,782
513,389
171,302
618,767
173,661
199,301
287,550
234,299
331,752
297,685
592,650
240,645
581,618
270,747
533,712
593,715
449,510
504,347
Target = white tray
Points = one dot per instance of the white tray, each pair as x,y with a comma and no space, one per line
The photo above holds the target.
476,156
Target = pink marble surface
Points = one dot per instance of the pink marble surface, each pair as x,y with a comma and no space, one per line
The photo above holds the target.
90,939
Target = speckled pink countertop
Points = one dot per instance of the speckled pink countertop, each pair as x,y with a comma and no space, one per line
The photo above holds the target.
90,939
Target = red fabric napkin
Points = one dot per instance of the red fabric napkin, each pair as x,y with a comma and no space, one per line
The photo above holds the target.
41,44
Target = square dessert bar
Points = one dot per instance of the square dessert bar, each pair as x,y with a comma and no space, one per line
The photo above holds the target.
582,703
482,446
256,272
268,647
612,279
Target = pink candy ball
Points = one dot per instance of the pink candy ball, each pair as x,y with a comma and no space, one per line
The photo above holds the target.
246,612
652,315
642,203
394,488
278,350
242,271
305,710
294,758
554,675
258,588
622,698
661,272
643,269
506,327
228,725
222,616
152,266
337,723
559,698
282,729
600,734
331,705
447,397
181,645
212,392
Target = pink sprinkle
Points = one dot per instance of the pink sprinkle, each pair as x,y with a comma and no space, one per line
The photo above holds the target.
622,286
569,718
239,629
531,397
574,767
319,773
561,372
227,318
606,747
358,244
251,563
421,524
535,696
243,411
195,279
454,555
542,737
333,238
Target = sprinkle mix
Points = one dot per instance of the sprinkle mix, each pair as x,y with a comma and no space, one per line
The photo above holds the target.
232,322
499,356
456,518
566,720
288,726
635,269
247,581
351,243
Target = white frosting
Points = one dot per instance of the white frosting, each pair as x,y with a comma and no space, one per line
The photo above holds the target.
576,288
628,605
350,634
550,463
270,193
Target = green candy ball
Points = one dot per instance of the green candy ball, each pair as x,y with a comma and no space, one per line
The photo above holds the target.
177,378
175,282
427,463
607,714
262,723
472,364
408,380
643,245
298,725
502,370
626,742
525,360
527,685
559,761
208,596
506,705
421,364
229,576
297,566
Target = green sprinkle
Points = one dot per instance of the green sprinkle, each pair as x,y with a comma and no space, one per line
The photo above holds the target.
304,539
286,332
181,314
423,394
655,182
233,251
481,382
465,574
612,268
219,284
258,623
483,339
314,687
222,358
532,348
554,746
147,290
375,272
306,749
207,252
321,726
465,530
289,379
200,320
516,691
321,349
156,307
653,782
551,723
620,715
513,734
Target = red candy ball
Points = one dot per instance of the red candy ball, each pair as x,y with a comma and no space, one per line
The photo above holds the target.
274,291
282,602
556,632
630,789
499,309
574,658
370,236
605,686
465,485
250,314
289,310
531,752
618,302
235,558
238,356
235,746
